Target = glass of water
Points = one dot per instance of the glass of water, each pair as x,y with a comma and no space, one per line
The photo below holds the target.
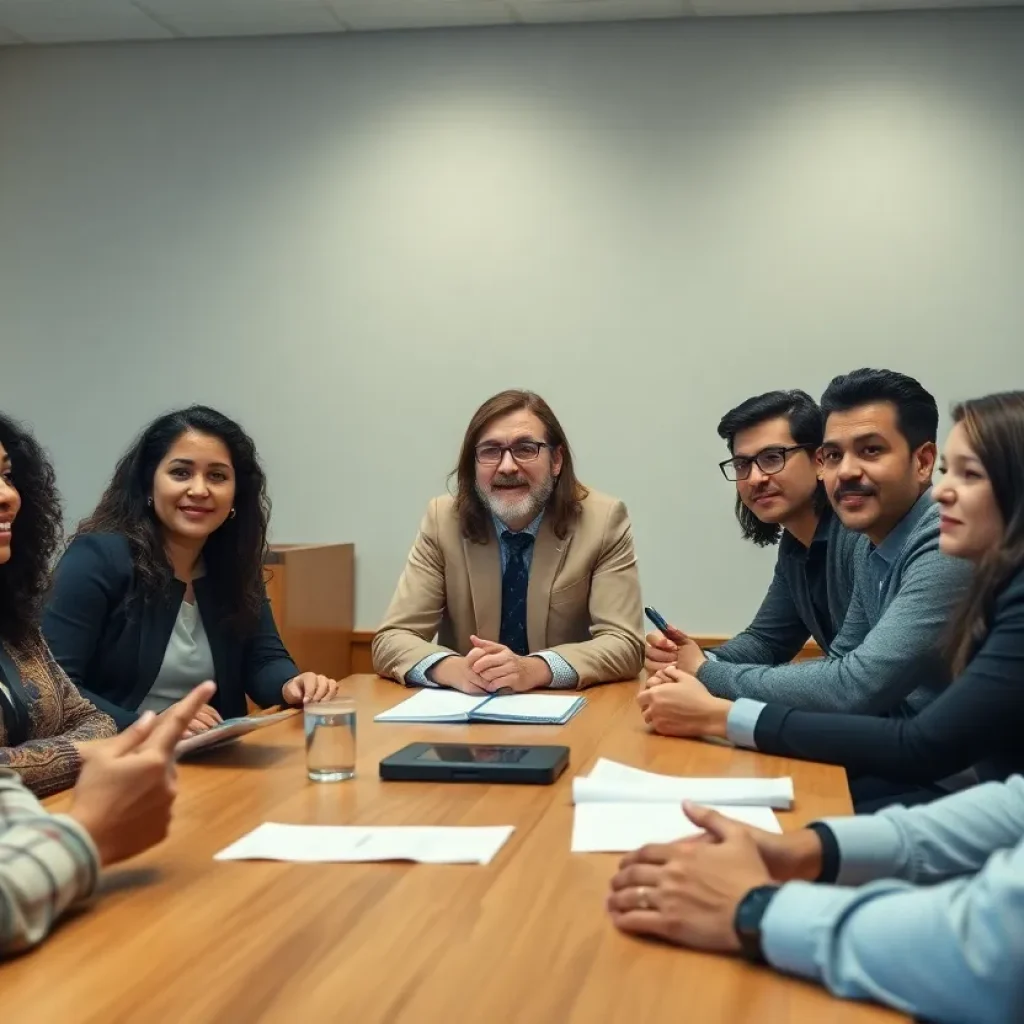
331,740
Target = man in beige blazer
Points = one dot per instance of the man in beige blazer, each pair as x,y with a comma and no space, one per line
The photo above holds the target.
526,578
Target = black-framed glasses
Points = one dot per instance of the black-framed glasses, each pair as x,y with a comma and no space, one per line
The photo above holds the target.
769,460
488,454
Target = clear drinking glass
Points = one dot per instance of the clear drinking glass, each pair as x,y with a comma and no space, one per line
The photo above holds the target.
331,740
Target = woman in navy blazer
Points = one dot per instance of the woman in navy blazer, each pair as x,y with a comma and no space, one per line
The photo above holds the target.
181,527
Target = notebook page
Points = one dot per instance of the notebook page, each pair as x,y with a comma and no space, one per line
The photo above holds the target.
620,828
430,705
530,706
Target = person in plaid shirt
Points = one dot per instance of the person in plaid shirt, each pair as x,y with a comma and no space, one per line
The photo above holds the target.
120,807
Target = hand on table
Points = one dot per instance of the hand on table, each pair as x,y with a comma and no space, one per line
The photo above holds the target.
205,718
455,673
688,892
127,785
677,704
308,688
502,669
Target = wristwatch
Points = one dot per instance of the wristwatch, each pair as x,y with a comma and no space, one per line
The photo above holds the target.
747,922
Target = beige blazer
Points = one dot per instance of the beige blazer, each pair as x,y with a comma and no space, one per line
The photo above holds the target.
583,600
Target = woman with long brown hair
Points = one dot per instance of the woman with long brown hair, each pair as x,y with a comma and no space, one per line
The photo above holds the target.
43,719
978,721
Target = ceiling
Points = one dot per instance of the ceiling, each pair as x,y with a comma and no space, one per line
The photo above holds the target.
73,21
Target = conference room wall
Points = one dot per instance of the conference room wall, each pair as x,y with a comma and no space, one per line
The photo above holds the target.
349,242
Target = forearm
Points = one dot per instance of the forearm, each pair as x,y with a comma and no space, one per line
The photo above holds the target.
266,685
610,657
45,766
947,838
949,952
47,864
122,717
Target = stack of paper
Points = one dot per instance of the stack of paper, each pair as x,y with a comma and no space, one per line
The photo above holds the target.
311,843
619,808
514,709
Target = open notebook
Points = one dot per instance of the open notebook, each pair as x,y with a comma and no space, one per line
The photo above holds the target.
516,708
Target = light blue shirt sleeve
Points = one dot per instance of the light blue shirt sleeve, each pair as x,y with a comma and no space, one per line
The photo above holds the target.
563,675
417,675
742,721
948,952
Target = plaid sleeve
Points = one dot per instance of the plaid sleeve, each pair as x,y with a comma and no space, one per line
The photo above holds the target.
47,863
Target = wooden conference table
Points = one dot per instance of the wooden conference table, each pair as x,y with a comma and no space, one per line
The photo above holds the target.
179,937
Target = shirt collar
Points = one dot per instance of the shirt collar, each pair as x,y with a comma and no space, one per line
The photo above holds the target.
893,544
501,529
792,548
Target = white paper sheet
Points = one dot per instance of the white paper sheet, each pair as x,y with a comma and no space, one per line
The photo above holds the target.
611,782
313,843
619,828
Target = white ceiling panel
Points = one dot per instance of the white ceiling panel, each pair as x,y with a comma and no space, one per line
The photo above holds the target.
59,21
241,17
385,14
548,11
723,8
63,21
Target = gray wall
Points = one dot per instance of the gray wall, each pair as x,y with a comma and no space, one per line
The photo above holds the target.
350,242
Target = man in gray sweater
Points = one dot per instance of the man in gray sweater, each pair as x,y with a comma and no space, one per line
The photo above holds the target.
773,441
877,461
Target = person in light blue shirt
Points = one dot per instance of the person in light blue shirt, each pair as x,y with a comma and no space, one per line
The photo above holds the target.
920,908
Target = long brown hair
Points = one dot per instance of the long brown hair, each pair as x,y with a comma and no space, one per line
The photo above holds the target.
995,431
565,505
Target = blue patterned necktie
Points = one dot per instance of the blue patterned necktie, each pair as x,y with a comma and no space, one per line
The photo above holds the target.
514,583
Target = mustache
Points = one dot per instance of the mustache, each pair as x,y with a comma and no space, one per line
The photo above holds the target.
508,480
853,489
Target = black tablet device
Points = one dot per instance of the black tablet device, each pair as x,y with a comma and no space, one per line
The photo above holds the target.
475,762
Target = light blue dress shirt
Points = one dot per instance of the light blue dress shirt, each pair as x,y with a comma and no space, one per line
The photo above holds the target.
563,675
928,912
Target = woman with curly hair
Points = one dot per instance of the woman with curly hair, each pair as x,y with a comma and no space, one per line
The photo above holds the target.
43,719
162,586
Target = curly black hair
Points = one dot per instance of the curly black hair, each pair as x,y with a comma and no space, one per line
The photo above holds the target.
36,535
234,553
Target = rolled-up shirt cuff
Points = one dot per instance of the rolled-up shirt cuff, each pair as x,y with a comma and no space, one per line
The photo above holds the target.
742,722
869,847
710,655
563,675
417,675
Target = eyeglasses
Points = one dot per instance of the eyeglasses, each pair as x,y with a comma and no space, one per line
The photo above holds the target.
521,451
769,460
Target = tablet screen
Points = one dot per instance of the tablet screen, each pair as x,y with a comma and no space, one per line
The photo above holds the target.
463,753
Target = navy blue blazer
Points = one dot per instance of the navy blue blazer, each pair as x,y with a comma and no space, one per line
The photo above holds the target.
112,646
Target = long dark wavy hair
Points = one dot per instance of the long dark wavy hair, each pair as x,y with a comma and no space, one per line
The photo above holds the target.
565,505
995,431
25,579
234,553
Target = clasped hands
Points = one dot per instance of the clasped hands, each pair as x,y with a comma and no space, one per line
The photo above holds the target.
491,667
673,701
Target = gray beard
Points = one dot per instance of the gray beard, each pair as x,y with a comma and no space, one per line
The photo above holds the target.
527,507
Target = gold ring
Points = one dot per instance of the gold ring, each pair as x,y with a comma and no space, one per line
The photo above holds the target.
642,901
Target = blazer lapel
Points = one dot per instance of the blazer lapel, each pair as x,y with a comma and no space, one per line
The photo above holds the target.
548,555
484,564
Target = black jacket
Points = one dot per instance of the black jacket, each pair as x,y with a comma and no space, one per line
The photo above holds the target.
978,721
112,647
